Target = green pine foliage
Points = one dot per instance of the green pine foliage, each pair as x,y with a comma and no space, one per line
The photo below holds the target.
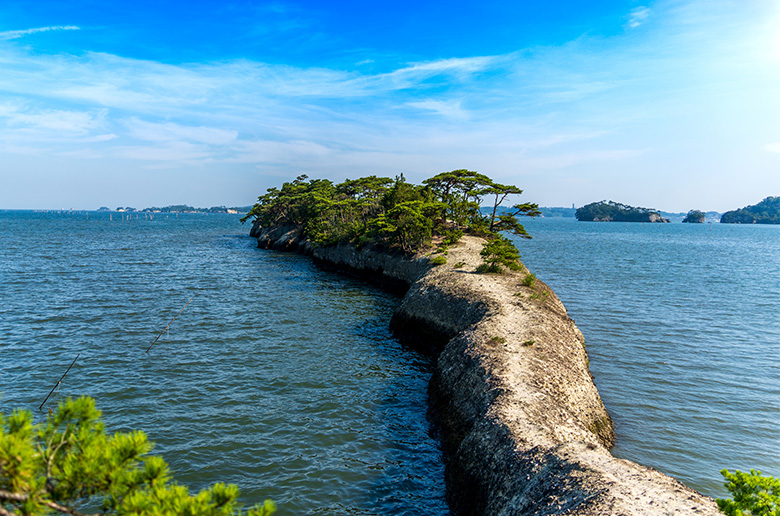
499,252
529,280
69,462
391,213
765,212
753,494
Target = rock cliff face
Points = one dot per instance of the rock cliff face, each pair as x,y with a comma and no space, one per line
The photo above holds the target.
523,427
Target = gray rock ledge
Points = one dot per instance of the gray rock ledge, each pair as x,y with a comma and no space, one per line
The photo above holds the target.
522,424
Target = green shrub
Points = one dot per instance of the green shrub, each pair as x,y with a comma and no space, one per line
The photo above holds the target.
529,280
459,265
452,237
497,340
529,342
480,228
489,268
438,260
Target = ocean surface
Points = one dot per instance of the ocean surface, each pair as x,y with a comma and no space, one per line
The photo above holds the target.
285,380
278,377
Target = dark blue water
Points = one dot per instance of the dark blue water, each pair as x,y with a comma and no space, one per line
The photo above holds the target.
682,326
285,380
278,377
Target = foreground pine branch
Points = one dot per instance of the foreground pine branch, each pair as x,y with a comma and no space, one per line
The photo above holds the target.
69,461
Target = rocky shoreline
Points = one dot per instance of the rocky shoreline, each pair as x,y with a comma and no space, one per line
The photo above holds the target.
523,427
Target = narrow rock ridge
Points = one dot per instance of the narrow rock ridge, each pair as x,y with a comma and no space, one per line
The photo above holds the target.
522,424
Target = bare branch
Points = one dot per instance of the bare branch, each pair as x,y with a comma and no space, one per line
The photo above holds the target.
18,497
65,510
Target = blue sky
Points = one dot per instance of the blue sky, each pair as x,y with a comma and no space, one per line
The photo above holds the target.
671,104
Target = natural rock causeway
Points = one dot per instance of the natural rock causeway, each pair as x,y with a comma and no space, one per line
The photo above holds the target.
523,427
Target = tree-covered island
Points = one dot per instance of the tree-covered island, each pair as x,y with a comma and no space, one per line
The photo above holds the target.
695,217
397,215
765,212
610,211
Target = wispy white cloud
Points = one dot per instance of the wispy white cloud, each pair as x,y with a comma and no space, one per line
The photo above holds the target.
297,153
16,34
142,86
446,108
56,120
171,152
455,66
168,131
638,16
22,118
574,159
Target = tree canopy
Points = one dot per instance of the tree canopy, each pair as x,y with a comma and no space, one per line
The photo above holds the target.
69,462
392,212
765,212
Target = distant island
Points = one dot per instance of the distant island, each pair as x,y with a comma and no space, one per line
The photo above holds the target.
181,208
695,217
610,211
765,212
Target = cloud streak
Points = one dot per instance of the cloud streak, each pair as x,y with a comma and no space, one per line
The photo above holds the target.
638,16
16,34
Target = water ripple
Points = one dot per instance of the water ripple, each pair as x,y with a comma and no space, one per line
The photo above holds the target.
278,377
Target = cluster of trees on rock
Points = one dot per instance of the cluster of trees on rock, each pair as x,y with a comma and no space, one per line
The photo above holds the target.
765,212
69,462
610,211
695,217
393,213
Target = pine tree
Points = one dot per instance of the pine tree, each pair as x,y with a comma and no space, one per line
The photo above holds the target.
69,462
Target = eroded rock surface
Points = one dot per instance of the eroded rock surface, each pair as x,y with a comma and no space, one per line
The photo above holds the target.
522,424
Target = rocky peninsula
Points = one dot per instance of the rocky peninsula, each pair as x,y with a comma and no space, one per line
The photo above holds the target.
523,427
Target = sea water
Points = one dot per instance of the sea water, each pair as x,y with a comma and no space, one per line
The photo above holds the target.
277,376
285,380
682,326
